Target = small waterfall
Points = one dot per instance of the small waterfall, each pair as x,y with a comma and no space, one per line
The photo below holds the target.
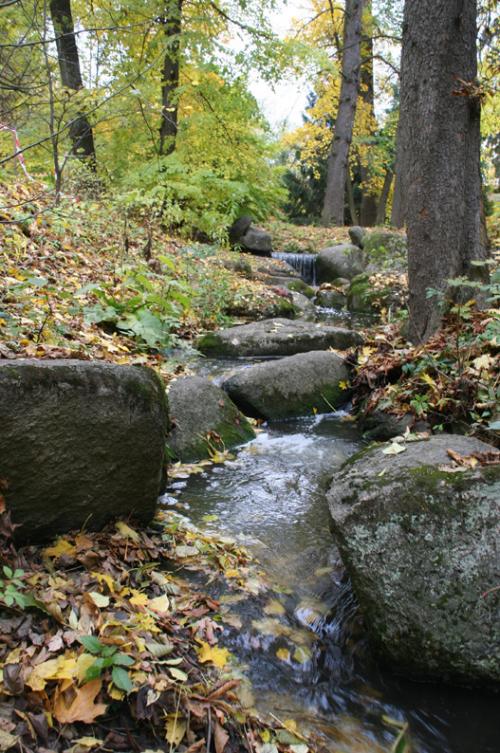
305,264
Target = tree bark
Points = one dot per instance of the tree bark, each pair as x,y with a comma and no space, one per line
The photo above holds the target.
368,210
172,22
333,206
398,211
80,130
441,118
382,204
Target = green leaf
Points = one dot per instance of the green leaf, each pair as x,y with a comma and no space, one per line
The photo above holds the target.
123,660
121,679
91,644
494,425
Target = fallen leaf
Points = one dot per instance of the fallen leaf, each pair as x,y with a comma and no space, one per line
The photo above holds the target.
175,728
213,654
77,704
62,546
160,604
127,532
394,449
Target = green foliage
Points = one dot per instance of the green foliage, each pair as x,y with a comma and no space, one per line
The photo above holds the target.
144,305
12,589
107,657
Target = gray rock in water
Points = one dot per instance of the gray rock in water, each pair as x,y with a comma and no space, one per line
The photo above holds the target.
257,241
419,538
344,260
293,386
330,299
80,443
205,419
357,235
303,305
276,337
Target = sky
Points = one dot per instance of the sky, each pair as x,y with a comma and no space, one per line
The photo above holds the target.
283,103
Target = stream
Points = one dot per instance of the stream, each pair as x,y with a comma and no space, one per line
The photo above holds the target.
307,653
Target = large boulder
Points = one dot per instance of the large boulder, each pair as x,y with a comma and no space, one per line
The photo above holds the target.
276,337
205,420
418,535
257,241
330,299
345,260
293,386
80,443
239,228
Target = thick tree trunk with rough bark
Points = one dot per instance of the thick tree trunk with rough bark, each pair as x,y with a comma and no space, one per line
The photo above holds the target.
441,117
333,206
368,211
399,197
80,130
172,22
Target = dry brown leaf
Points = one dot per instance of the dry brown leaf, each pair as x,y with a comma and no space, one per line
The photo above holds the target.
77,704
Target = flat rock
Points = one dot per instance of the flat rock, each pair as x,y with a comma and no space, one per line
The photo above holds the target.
276,337
295,386
205,420
257,241
418,536
81,443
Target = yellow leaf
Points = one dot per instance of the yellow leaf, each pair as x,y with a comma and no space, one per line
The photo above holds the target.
232,573
161,604
83,663
283,654
428,380
62,546
139,599
126,531
104,578
483,362
344,385
213,654
61,668
175,728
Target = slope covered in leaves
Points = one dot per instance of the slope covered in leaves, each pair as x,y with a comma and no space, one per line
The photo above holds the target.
87,280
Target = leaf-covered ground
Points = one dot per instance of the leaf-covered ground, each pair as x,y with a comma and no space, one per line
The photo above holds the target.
87,281
107,645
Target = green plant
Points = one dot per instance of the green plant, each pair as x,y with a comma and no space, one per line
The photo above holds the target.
12,587
107,657
144,305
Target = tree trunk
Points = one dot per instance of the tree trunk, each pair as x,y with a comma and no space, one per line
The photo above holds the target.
172,22
368,211
382,204
80,130
333,206
441,117
398,212
350,199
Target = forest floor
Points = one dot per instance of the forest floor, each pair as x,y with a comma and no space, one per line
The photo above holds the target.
85,281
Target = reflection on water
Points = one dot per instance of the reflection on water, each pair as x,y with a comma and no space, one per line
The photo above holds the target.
306,651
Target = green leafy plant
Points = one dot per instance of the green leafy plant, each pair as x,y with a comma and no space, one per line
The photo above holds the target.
144,305
12,588
107,657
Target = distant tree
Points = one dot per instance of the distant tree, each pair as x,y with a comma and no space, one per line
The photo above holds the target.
172,23
337,172
80,130
440,123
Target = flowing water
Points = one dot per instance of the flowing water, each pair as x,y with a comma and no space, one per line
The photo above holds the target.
304,264
307,653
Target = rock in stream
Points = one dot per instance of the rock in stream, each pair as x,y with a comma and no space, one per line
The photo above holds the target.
80,443
419,538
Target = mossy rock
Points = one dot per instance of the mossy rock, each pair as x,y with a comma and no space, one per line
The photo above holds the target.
299,286
205,420
295,386
81,443
418,537
384,244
